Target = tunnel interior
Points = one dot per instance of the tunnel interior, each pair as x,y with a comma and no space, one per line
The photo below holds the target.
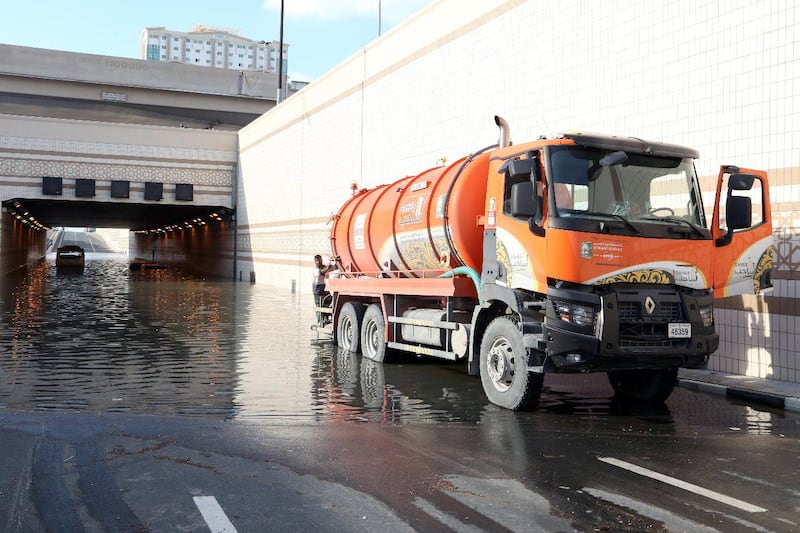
197,239
48,213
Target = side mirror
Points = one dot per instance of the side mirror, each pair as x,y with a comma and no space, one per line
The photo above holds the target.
519,168
739,215
741,182
739,212
523,200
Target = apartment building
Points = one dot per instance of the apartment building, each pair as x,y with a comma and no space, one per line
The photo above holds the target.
208,46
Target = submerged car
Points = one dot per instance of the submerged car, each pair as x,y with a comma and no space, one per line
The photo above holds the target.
70,257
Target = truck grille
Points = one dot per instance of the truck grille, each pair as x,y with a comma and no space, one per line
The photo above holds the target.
640,331
665,312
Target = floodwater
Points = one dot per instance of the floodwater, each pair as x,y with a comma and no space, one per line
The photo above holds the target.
157,342
112,340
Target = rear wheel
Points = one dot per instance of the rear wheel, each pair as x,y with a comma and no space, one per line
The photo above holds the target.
348,326
373,334
504,367
644,385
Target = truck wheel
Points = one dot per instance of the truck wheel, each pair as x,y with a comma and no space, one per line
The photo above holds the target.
373,334
644,385
348,326
504,367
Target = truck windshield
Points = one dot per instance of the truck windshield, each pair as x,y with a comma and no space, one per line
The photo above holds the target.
638,190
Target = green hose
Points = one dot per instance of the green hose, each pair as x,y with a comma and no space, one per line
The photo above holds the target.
466,271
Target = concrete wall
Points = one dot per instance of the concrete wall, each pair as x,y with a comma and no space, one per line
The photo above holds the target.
202,250
129,73
20,245
34,147
716,75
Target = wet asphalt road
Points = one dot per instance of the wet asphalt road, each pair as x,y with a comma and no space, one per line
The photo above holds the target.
156,402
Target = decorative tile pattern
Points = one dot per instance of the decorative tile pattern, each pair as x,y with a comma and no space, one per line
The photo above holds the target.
115,170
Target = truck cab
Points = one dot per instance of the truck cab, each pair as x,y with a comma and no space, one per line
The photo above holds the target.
606,256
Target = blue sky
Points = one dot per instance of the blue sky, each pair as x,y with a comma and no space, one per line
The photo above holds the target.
321,33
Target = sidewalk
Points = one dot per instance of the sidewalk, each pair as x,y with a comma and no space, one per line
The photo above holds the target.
780,394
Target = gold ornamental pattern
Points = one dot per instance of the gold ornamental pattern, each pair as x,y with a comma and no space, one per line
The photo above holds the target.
419,255
655,276
504,260
763,270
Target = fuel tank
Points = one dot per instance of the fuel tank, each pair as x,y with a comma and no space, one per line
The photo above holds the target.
418,225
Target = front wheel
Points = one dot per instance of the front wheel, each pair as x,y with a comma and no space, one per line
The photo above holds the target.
644,385
504,367
373,334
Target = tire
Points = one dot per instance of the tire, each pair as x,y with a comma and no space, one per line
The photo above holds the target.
373,385
373,334
653,386
504,368
348,326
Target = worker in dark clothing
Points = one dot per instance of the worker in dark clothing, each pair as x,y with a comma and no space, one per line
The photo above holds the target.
320,272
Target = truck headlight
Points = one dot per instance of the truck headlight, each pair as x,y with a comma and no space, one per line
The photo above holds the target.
572,313
707,315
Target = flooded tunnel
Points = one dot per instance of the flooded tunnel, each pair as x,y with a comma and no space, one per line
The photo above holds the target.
197,239
158,163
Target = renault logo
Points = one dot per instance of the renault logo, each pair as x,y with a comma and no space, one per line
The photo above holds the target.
649,305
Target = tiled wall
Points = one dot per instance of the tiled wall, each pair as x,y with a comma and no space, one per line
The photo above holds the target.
721,76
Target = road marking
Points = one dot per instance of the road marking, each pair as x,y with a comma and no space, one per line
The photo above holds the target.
448,520
739,504
671,521
213,515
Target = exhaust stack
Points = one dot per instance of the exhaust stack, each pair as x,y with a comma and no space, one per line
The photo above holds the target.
505,132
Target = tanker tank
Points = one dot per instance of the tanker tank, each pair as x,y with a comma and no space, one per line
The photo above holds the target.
417,226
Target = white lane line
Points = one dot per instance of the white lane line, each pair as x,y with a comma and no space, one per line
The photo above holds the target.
671,521
213,515
448,520
733,502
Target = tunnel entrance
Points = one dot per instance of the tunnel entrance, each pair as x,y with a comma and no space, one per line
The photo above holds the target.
46,213
192,238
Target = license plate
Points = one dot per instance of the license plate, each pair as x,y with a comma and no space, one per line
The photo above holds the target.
677,330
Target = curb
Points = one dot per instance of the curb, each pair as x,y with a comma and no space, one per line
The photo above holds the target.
778,401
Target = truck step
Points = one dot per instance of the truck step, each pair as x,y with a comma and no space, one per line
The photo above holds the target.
422,350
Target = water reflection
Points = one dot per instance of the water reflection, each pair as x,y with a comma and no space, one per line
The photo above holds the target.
112,340
349,387
157,342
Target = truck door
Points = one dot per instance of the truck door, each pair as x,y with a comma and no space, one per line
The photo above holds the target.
742,230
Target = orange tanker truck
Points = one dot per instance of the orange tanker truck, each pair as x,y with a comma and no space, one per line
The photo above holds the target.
582,253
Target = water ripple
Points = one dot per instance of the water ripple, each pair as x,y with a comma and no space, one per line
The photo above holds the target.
112,340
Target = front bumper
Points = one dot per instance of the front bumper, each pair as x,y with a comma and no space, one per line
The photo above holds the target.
625,336
568,351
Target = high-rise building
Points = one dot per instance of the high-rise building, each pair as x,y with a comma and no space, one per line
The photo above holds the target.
207,46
